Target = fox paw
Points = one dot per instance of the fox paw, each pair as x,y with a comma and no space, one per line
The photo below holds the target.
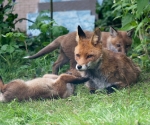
111,89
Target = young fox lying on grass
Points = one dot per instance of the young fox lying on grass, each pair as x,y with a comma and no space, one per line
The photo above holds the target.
49,86
117,41
105,68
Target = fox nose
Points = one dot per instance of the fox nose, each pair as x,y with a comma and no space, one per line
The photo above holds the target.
79,66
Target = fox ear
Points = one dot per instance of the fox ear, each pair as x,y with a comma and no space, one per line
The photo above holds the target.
1,83
1,78
113,32
80,34
130,33
96,38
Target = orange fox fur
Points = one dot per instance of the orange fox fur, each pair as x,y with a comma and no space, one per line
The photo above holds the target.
47,87
104,67
117,41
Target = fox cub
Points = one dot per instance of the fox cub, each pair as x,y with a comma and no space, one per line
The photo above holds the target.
105,68
47,87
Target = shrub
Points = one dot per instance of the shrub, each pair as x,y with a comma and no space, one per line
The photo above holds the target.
135,14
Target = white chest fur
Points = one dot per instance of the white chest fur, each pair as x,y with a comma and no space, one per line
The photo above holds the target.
97,80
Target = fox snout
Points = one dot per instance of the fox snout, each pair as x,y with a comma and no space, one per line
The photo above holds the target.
81,67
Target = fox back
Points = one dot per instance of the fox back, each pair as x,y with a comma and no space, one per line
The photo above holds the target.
104,67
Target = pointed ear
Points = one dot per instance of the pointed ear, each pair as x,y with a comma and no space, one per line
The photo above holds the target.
96,38
1,83
80,34
130,33
1,78
113,32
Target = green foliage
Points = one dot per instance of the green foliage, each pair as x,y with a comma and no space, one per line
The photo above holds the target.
135,14
126,106
126,15
49,30
106,17
7,17
14,44
11,42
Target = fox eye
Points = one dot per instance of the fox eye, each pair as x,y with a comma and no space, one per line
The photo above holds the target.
77,55
118,45
89,56
128,46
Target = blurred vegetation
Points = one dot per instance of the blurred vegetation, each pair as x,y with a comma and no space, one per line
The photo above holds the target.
14,44
49,30
127,15
105,16
126,106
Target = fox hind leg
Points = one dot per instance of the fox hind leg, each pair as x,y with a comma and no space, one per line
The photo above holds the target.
61,60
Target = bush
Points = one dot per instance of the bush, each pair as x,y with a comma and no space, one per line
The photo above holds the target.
49,30
15,44
135,14
106,17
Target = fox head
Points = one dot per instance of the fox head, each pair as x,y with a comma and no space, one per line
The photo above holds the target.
119,41
88,51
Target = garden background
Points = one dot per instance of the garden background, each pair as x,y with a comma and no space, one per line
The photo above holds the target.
129,106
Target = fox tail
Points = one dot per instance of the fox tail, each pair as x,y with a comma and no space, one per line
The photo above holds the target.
49,48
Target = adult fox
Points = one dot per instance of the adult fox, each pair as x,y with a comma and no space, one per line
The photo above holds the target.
104,67
117,41
47,87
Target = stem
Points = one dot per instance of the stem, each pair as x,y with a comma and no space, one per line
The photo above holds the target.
0,38
51,9
5,60
24,19
26,46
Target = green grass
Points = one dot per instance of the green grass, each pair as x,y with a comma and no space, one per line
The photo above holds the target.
130,106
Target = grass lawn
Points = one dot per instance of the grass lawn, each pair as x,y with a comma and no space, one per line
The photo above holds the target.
130,106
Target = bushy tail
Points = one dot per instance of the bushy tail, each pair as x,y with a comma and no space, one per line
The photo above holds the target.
1,84
49,48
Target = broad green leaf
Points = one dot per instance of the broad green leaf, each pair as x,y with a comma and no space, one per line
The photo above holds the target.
10,34
8,10
134,55
57,30
44,28
133,7
127,19
129,26
4,47
141,4
10,49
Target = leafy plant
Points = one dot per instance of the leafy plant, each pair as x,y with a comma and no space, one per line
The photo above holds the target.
49,30
135,14
11,41
8,51
7,17
14,43
106,17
